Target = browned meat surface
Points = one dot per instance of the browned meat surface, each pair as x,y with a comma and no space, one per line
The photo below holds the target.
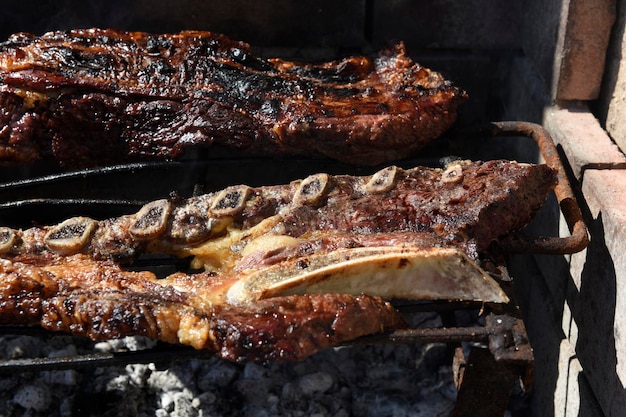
91,97
68,276
99,300
468,202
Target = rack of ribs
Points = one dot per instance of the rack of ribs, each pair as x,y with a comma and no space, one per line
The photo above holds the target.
94,97
276,272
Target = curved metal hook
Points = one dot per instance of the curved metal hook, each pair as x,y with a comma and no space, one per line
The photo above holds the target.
579,237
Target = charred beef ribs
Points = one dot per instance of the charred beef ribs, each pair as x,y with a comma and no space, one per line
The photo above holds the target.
70,276
94,97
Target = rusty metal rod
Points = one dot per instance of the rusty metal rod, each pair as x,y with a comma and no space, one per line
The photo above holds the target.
579,238
430,335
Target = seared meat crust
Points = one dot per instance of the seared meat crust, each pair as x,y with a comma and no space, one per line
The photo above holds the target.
98,300
469,203
92,97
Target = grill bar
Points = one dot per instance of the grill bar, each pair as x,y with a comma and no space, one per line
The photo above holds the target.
161,355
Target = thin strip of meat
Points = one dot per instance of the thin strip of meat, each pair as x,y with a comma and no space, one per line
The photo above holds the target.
94,96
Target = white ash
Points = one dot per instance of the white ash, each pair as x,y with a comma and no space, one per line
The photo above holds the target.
35,396
379,380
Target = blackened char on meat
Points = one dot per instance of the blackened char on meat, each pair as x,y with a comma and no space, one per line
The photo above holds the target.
91,97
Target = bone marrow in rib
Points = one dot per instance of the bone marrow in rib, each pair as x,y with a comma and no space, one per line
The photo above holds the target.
71,235
151,220
93,97
382,181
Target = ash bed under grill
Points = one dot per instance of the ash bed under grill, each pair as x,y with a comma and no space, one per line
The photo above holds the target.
486,344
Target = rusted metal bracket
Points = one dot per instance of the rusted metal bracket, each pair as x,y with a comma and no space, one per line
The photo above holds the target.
509,345
485,385
486,377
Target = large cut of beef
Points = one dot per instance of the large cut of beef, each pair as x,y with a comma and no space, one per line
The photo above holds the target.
275,272
94,97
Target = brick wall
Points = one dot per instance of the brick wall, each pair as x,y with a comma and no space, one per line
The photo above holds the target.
611,106
575,305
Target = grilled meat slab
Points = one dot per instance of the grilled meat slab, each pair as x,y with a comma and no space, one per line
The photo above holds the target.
93,97
281,266
99,300
467,204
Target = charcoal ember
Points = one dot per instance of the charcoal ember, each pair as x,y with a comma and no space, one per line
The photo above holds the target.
172,379
317,382
216,374
348,381
33,397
